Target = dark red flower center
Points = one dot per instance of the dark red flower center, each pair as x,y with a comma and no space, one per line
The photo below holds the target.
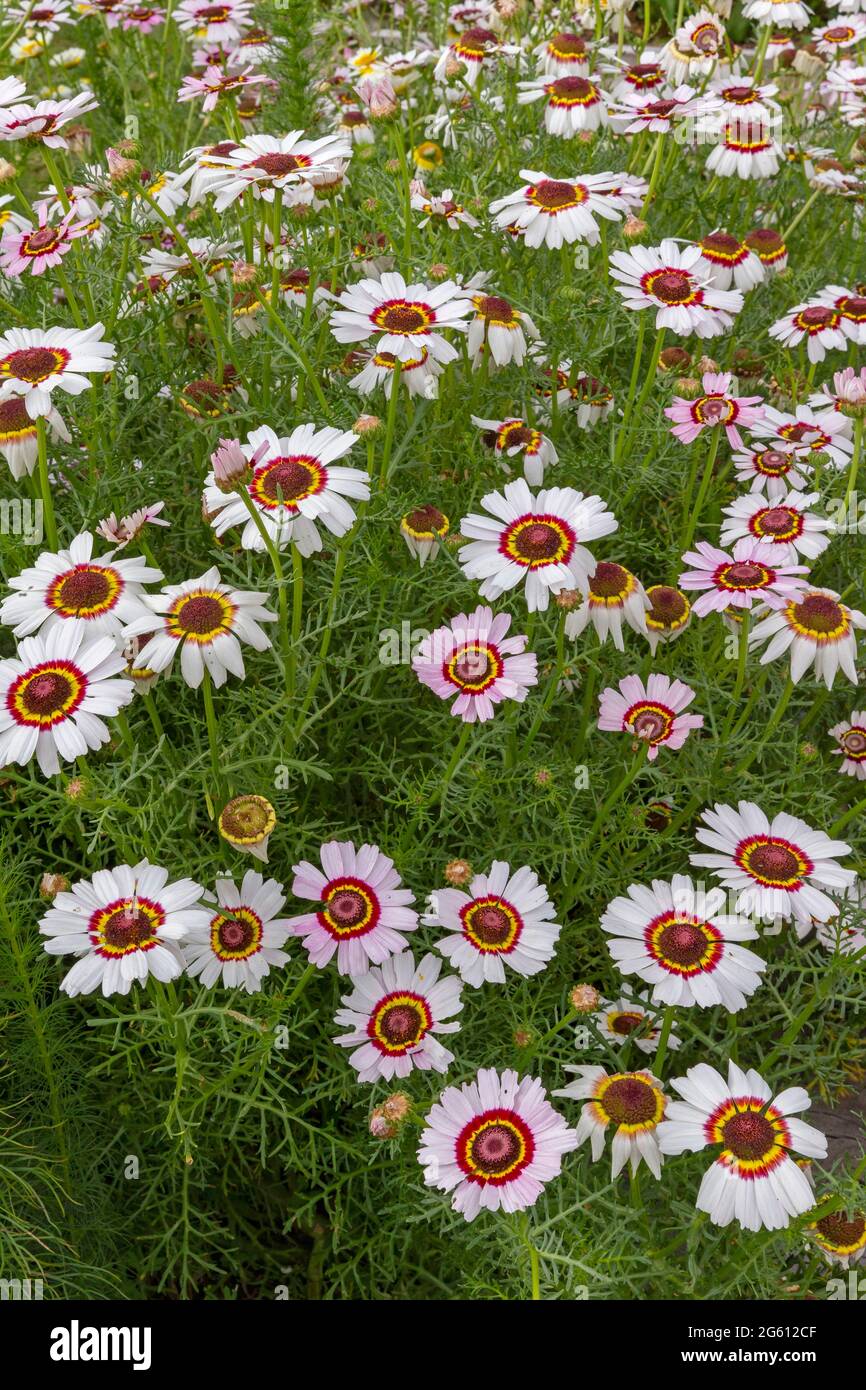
748,1135
128,927
630,1101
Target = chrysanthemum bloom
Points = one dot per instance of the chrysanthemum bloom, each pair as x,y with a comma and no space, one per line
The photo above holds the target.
665,278
207,620
469,52
53,693
363,910
668,615
473,660
563,55
265,164
394,1014
660,113
833,39
141,18
850,736
726,260
419,374
808,431
43,19
241,935
572,104
36,361
642,80
494,1143
505,918
214,24
442,208
613,594
246,823
627,1019
680,940
71,588
215,83
19,435
842,1237
629,1104
553,212
539,540
653,712
422,529
355,126
738,580
746,148
124,924
294,484
588,398
817,324
851,308
715,407
499,328
773,471
767,244
778,868
818,629
786,527
39,248
44,121
843,935
405,319
754,1180
782,14
513,436
846,394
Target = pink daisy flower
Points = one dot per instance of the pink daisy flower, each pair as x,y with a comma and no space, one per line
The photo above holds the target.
850,736
715,407
363,909
653,712
504,918
472,659
393,1015
738,580
494,1143
39,248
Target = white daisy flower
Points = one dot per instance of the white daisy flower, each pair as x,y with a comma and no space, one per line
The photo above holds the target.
499,328
240,935
293,484
505,918
778,867
19,435
537,541
264,164
781,14
808,431
124,924
393,1015
850,736
511,437
52,694
754,1180
726,261
773,470
667,278
818,324
101,595
627,1019
553,212
680,940
36,361
629,1105
784,524
403,318
818,629
613,594
206,620
572,103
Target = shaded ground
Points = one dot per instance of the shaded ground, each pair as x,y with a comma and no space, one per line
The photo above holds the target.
844,1125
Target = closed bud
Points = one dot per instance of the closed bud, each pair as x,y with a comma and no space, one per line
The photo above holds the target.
584,999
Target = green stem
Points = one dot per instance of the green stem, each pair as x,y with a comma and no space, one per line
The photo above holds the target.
212,728
691,526
664,1035
297,611
45,483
